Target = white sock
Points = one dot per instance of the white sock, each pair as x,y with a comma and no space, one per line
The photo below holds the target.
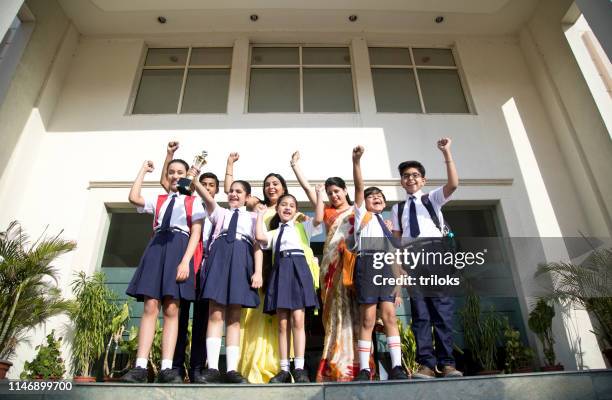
284,364
299,362
213,348
232,353
395,348
166,364
364,347
141,363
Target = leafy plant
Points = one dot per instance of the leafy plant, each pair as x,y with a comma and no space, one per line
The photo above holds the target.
92,315
48,362
117,329
409,350
28,285
517,354
588,285
130,347
540,323
481,332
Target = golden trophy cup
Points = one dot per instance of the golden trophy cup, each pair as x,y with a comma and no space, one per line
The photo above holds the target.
184,185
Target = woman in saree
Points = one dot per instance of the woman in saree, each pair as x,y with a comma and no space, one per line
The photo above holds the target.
259,359
339,361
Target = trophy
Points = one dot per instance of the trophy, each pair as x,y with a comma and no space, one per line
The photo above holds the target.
184,184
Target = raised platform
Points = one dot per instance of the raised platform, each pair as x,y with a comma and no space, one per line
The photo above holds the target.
596,385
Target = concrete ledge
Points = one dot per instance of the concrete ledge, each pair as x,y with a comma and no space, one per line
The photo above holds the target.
596,385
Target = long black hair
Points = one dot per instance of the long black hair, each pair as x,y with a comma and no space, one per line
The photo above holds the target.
337,181
266,200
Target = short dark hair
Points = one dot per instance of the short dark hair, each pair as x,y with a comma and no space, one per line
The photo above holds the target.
210,175
245,185
374,190
411,164
337,181
178,160
283,184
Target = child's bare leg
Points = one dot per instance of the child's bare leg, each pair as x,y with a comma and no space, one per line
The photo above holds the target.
393,339
170,331
368,318
284,327
232,339
147,327
216,316
299,337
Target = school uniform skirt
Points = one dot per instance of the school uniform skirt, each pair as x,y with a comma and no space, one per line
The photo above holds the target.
370,283
290,284
155,276
229,268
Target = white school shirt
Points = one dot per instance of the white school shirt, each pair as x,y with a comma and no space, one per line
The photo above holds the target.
178,219
245,226
370,230
291,237
426,224
206,228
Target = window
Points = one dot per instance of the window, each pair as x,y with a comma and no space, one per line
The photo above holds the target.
416,80
184,80
300,79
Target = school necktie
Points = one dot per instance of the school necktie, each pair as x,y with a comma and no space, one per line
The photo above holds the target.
384,227
165,225
278,243
231,229
414,223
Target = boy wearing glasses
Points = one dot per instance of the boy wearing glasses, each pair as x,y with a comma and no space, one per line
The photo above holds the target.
420,216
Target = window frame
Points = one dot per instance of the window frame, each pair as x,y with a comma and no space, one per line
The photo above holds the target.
185,68
300,46
414,68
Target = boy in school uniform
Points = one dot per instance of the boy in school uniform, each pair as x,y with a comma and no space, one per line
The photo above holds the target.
420,216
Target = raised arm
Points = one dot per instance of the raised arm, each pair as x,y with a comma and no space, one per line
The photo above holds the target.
320,206
135,196
170,150
229,171
260,230
452,179
209,201
357,178
310,193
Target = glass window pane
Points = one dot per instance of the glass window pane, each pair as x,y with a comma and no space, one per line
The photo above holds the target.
274,90
206,91
159,91
326,55
211,56
395,90
127,239
389,56
275,56
166,57
442,91
328,90
437,57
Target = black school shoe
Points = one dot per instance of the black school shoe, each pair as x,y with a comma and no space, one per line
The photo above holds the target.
210,375
169,375
234,377
363,375
398,373
281,377
300,375
135,375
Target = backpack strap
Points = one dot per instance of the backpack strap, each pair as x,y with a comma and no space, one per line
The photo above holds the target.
400,210
160,201
430,209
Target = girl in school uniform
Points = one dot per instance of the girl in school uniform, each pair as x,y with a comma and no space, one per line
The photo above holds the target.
290,288
233,275
166,271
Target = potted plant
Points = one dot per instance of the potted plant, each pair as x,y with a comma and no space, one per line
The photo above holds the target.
92,316
519,357
587,285
28,287
129,348
540,323
481,334
48,363
117,329
408,343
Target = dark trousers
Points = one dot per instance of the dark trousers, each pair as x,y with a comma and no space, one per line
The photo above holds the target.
436,312
198,339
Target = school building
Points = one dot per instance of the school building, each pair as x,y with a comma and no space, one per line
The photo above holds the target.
89,89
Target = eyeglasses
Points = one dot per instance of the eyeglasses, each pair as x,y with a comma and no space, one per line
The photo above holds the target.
414,175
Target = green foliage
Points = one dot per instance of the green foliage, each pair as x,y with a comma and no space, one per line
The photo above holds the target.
409,350
92,316
588,285
481,333
130,347
28,285
517,355
117,328
540,323
48,362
